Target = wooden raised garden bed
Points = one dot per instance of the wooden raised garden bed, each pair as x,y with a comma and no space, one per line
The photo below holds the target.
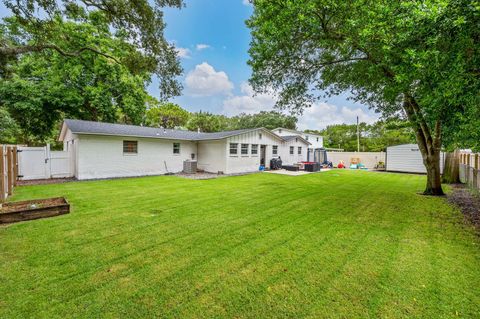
33,209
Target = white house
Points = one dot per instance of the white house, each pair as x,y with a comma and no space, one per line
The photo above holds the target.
105,150
315,140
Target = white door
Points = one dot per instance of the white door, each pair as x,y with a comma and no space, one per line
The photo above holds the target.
32,163
60,164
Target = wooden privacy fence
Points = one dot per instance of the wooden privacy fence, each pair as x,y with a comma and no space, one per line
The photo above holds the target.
468,169
8,170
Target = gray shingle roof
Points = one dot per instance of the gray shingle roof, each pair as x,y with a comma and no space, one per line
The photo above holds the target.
291,137
100,128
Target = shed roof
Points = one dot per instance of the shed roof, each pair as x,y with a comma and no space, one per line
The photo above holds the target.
101,128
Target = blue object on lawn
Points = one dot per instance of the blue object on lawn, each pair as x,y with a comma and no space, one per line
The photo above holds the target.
261,168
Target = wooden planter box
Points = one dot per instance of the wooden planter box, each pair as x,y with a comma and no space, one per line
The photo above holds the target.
33,209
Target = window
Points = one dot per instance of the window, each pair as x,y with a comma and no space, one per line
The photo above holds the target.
244,149
299,150
254,149
233,148
176,148
259,136
306,137
275,149
292,150
317,139
280,131
130,147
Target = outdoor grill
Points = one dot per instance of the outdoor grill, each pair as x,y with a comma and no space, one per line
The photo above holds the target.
276,163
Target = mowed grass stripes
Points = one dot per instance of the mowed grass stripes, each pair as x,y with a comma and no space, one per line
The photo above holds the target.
339,244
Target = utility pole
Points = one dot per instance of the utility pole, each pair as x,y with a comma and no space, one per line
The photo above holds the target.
358,136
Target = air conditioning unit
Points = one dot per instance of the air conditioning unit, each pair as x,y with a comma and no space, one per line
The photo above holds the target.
190,167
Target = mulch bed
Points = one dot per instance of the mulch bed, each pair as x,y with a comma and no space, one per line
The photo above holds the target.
468,201
12,212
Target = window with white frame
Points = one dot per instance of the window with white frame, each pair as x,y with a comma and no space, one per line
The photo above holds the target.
254,149
275,149
130,147
306,137
317,139
259,136
292,150
233,148
244,149
176,148
299,150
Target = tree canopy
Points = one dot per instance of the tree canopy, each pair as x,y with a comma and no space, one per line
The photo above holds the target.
166,115
417,60
207,122
44,87
39,28
267,119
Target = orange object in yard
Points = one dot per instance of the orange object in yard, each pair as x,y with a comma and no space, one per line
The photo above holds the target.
355,160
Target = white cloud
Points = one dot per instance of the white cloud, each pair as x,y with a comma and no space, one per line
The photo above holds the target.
318,116
183,53
202,46
248,102
205,81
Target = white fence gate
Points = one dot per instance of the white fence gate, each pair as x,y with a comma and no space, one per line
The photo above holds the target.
41,163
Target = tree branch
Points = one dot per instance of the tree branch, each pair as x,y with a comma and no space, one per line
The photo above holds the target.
14,51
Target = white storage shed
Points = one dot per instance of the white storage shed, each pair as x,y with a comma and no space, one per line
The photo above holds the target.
407,158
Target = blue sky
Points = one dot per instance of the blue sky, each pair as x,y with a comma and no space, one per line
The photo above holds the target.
213,41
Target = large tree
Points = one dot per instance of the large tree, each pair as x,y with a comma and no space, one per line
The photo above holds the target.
417,59
44,87
267,119
167,115
207,122
136,22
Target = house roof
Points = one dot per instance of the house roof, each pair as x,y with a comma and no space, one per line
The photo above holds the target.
100,128
288,138
295,131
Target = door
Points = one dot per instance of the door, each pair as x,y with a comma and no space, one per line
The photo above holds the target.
41,163
263,152
32,163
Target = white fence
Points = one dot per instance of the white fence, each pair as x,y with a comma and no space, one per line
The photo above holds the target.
41,163
369,159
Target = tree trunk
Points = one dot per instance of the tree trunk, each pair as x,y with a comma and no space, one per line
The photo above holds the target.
428,143
434,182
451,173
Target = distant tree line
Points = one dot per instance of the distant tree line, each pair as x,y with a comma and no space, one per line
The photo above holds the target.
170,115
373,137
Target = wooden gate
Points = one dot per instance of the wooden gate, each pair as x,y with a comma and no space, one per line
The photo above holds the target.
8,170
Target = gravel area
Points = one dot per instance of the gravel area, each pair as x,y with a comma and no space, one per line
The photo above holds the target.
45,181
468,201
205,175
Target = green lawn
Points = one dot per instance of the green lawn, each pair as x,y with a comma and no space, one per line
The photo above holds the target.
337,244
